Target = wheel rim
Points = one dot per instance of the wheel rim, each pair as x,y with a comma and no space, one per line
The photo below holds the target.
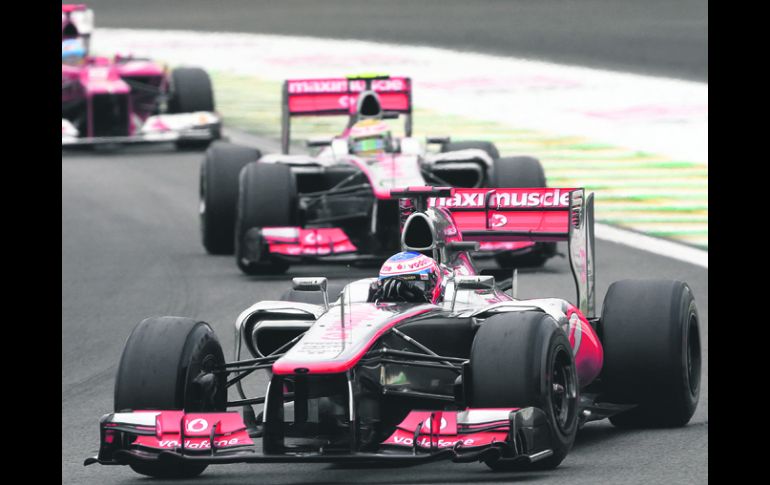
203,386
563,389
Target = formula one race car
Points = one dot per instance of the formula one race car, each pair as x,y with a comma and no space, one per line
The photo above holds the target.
129,99
429,361
335,206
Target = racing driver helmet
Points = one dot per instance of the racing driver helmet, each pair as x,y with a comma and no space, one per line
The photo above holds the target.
370,137
73,51
408,277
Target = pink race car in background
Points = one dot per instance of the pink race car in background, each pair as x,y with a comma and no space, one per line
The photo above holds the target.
129,99
275,210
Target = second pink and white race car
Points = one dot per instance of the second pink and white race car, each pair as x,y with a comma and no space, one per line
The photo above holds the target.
274,210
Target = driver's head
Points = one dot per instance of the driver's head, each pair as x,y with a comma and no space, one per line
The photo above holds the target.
408,277
73,51
370,137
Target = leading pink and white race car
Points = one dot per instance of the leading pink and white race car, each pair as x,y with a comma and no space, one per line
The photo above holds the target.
126,99
475,374
275,210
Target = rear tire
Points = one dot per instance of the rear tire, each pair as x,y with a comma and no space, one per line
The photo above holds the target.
516,359
266,198
518,172
218,192
167,364
652,358
522,172
487,146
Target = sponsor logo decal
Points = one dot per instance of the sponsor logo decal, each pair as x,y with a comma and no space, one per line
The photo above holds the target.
425,442
498,220
407,263
427,424
197,425
503,200
202,445
320,86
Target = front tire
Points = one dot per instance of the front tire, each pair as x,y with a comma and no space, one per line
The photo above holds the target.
522,359
168,364
218,192
652,357
191,91
266,198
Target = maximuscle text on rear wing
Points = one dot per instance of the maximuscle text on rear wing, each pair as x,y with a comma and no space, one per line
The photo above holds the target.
339,97
531,214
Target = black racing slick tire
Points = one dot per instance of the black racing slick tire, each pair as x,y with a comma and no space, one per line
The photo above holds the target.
522,172
191,91
487,146
267,197
652,355
218,191
522,359
167,364
518,172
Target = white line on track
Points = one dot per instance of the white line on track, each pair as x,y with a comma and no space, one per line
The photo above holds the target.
655,245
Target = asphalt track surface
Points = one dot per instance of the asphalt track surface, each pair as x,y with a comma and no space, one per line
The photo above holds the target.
131,249
659,37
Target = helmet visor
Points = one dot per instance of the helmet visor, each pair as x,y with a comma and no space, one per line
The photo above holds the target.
369,145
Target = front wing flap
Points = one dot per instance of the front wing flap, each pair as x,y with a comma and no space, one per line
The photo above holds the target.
424,436
201,125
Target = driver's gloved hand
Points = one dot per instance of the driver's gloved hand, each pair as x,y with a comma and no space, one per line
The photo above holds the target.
395,289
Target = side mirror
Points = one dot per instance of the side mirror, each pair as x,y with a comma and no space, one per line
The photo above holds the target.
312,284
411,146
475,282
340,148
318,142
456,246
437,140
472,282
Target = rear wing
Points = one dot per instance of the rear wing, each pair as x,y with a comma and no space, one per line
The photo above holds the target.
339,97
532,214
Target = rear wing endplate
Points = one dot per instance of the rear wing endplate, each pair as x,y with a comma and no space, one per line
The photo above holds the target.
339,97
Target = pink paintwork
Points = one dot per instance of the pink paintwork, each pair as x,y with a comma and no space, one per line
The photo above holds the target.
536,214
586,347
336,96
170,426
451,427
94,76
296,241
